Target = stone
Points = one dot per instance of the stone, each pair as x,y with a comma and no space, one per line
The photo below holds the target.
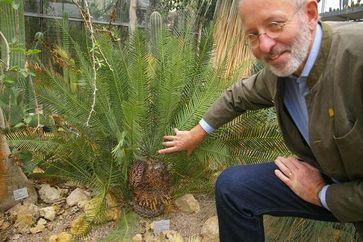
24,222
149,237
62,237
111,201
37,170
187,204
82,204
50,226
137,238
53,238
26,208
90,204
63,191
113,214
48,213
15,237
5,225
42,221
37,229
210,230
49,194
65,237
195,238
76,196
172,236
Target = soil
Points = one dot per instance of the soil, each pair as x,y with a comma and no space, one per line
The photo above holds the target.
187,225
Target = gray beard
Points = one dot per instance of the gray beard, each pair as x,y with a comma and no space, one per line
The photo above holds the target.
299,52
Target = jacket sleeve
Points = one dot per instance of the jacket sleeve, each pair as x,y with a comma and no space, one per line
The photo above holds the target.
345,201
252,93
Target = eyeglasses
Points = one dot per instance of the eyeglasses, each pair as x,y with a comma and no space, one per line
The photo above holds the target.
272,30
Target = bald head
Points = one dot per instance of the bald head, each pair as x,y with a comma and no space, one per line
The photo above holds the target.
297,3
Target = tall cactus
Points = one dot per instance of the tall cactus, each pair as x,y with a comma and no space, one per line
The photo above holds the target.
65,43
156,26
12,26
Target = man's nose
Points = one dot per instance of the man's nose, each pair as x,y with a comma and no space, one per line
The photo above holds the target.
266,43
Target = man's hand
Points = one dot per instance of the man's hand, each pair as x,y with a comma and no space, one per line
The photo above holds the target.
303,179
183,140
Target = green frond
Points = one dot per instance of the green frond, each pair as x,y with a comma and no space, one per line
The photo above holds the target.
253,137
33,141
123,231
299,229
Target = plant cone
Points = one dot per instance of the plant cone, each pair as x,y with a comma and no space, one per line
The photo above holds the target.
149,182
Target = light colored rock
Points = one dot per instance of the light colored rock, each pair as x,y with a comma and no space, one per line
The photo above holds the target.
38,170
62,237
5,225
63,191
172,236
149,237
49,194
210,230
16,237
76,196
187,204
82,204
195,238
65,237
24,222
111,200
53,238
137,238
48,213
26,208
42,221
50,226
113,214
90,204
37,229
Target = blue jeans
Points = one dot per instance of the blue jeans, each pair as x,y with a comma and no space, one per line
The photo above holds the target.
245,193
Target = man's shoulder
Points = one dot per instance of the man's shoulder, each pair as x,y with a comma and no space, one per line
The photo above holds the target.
343,24
347,36
346,28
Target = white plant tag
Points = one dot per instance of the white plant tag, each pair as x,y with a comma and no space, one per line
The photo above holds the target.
162,225
20,193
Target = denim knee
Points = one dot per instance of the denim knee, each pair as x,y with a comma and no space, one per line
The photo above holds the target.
230,181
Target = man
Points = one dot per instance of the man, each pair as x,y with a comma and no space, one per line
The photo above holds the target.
313,76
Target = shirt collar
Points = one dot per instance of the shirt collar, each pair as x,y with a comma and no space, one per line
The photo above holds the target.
313,53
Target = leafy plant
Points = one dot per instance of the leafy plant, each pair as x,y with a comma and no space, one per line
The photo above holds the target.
141,96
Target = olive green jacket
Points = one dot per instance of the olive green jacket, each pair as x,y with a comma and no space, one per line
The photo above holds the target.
335,109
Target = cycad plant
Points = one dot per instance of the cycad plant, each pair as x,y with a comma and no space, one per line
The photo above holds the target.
142,93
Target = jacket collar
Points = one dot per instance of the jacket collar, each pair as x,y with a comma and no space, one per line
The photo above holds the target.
322,57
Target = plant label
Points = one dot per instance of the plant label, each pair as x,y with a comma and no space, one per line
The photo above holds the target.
20,193
160,226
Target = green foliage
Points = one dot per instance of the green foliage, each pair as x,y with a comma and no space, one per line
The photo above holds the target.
254,137
301,230
141,96
15,77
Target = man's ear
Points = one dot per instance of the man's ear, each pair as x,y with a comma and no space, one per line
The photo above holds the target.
311,11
